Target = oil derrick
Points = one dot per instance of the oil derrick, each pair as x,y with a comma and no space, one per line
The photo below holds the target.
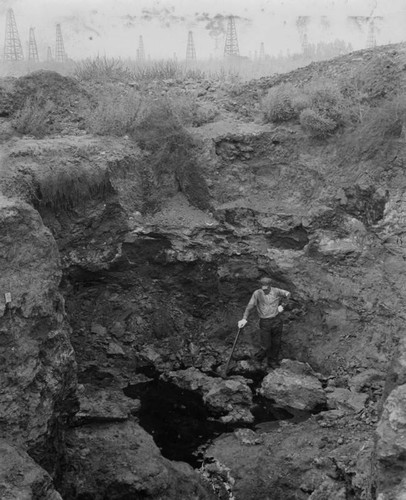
262,52
32,47
49,55
231,46
302,23
60,54
190,49
141,50
371,38
13,50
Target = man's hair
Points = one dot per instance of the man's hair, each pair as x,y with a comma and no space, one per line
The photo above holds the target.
265,281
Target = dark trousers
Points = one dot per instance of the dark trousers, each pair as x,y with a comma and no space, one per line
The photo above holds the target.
270,337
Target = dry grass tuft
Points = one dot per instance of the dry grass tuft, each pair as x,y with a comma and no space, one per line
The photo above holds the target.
66,185
33,118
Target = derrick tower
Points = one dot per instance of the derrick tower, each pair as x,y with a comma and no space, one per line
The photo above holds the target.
49,54
371,37
262,52
231,46
60,54
13,50
32,47
190,49
141,50
302,25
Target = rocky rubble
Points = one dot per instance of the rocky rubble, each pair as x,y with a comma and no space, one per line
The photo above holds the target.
122,460
21,477
390,431
298,460
230,399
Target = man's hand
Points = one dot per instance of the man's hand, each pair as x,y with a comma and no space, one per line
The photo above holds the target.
280,309
242,323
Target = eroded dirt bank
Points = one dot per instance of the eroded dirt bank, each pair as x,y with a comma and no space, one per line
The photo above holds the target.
106,295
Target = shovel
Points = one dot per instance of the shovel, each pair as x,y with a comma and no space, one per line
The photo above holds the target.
231,353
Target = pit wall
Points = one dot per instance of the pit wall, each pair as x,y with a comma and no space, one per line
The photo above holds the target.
158,289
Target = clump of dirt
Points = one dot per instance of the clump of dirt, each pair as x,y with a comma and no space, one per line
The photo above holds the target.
43,103
64,92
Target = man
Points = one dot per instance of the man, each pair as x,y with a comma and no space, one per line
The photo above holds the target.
267,302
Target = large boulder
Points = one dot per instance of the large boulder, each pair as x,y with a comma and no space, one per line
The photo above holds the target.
21,478
339,398
121,460
37,362
104,405
230,399
293,389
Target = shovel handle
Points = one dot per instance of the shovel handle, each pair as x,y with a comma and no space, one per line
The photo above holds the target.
232,351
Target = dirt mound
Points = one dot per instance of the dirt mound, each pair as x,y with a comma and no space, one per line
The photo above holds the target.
378,72
43,102
62,91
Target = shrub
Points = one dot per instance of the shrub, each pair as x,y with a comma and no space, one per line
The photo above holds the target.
189,111
316,125
33,118
325,99
374,136
172,159
102,69
283,103
319,105
114,114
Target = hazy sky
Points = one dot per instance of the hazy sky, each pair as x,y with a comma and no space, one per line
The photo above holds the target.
113,27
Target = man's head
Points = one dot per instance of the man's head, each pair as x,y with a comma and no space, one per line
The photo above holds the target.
265,283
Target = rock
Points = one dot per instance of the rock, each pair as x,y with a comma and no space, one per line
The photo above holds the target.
98,329
338,247
329,490
220,478
392,426
329,418
288,389
118,329
248,437
396,493
231,396
109,404
344,399
22,478
366,378
230,399
115,349
37,362
149,354
397,371
24,240
293,462
391,442
297,367
247,367
122,461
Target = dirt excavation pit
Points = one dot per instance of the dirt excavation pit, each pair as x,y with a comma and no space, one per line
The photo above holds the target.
183,426
128,257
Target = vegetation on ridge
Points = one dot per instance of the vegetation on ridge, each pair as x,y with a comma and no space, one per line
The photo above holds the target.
368,102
